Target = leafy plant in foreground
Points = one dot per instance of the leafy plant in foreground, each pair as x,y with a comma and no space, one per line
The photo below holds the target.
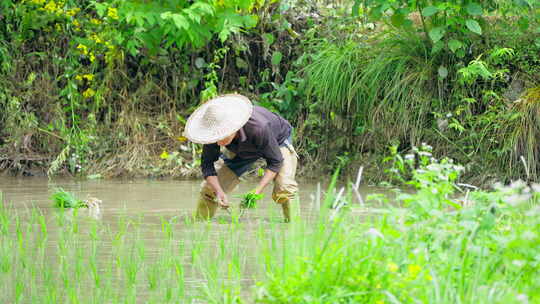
431,246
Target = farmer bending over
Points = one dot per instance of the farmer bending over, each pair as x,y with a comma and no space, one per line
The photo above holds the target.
249,133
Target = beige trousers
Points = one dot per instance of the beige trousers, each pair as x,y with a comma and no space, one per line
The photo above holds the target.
285,186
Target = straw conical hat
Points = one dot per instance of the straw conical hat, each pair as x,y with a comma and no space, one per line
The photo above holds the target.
218,118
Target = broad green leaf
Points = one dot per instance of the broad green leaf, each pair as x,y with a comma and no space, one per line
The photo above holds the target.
204,8
454,45
429,11
132,47
437,47
251,21
397,19
276,58
139,17
474,26
268,38
180,21
443,72
100,8
193,15
474,9
244,4
224,34
537,42
437,33
150,18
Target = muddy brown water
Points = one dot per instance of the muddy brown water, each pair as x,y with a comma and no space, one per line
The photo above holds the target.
155,200
152,198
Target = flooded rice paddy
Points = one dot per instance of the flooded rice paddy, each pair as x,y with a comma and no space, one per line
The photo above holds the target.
141,247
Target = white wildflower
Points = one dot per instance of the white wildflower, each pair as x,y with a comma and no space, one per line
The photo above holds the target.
519,263
523,298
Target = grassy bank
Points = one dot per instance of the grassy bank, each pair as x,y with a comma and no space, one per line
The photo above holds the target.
436,244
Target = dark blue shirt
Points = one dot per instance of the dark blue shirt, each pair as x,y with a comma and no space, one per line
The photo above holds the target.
260,137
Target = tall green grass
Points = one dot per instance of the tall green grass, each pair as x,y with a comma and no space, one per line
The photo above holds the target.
366,87
522,136
440,244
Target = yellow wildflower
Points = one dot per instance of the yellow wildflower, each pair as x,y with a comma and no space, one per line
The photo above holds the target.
109,45
96,38
95,21
112,13
52,7
164,155
380,302
88,77
38,2
182,139
72,12
83,48
76,23
92,57
414,270
429,278
89,93
392,267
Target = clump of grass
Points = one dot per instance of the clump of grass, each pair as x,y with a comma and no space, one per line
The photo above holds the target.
365,87
64,199
521,134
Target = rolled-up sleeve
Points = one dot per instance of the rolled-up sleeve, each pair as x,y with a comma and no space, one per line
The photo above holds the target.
268,146
209,155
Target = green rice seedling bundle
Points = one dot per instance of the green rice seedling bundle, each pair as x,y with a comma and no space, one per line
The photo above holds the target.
249,200
65,199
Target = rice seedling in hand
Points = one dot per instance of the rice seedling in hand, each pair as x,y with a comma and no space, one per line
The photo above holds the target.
249,200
